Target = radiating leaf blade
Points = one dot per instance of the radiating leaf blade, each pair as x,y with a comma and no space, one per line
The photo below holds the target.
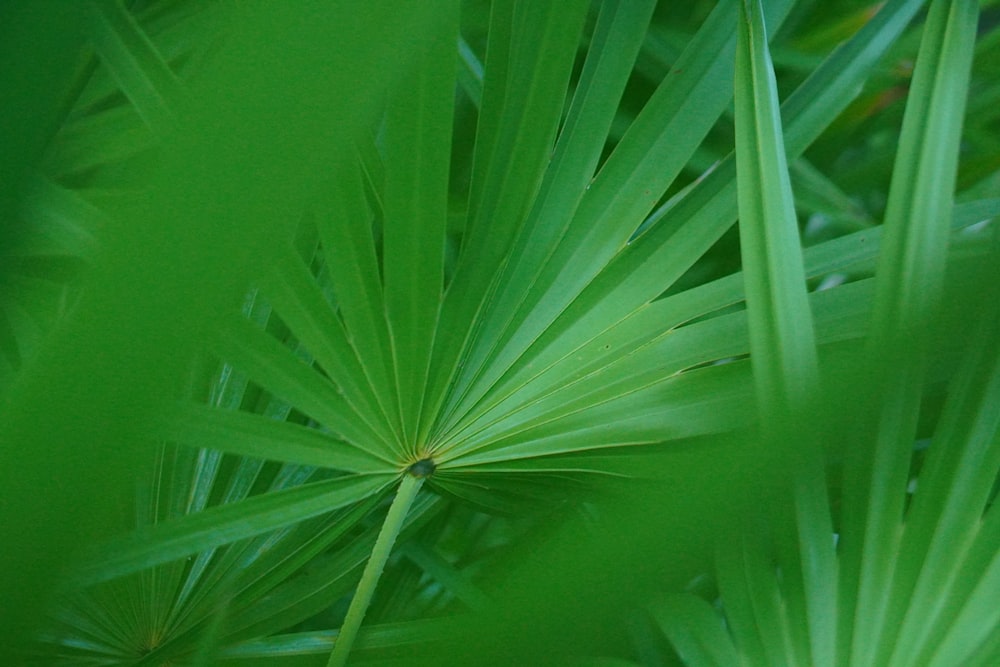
293,292
645,162
223,524
418,152
247,434
532,56
275,367
618,34
344,220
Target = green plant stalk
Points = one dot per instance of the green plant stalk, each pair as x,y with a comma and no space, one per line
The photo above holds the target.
400,507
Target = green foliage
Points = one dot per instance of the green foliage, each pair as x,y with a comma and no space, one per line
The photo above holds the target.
347,333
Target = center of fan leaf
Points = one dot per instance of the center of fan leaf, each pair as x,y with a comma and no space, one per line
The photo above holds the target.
422,468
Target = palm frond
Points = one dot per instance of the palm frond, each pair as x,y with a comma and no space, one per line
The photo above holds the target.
491,278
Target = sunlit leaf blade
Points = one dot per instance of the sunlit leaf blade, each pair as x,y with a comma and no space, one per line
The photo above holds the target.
584,348
646,326
832,86
624,361
920,199
910,277
417,158
227,523
947,565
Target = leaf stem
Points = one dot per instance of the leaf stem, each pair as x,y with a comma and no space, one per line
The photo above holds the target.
408,489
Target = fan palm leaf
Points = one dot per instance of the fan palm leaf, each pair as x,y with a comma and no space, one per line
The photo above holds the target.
491,283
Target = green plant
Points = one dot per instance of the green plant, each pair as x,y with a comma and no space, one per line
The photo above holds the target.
504,372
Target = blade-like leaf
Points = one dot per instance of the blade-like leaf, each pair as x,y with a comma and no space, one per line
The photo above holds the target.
782,345
618,34
741,573
855,252
685,228
910,277
696,630
971,636
144,76
293,292
709,400
629,184
782,342
418,153
954,486
532,56
320,642
330,577
628,360
275,367
227,523
344,221
246,434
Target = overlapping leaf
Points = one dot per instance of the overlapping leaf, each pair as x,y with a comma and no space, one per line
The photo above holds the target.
889,565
